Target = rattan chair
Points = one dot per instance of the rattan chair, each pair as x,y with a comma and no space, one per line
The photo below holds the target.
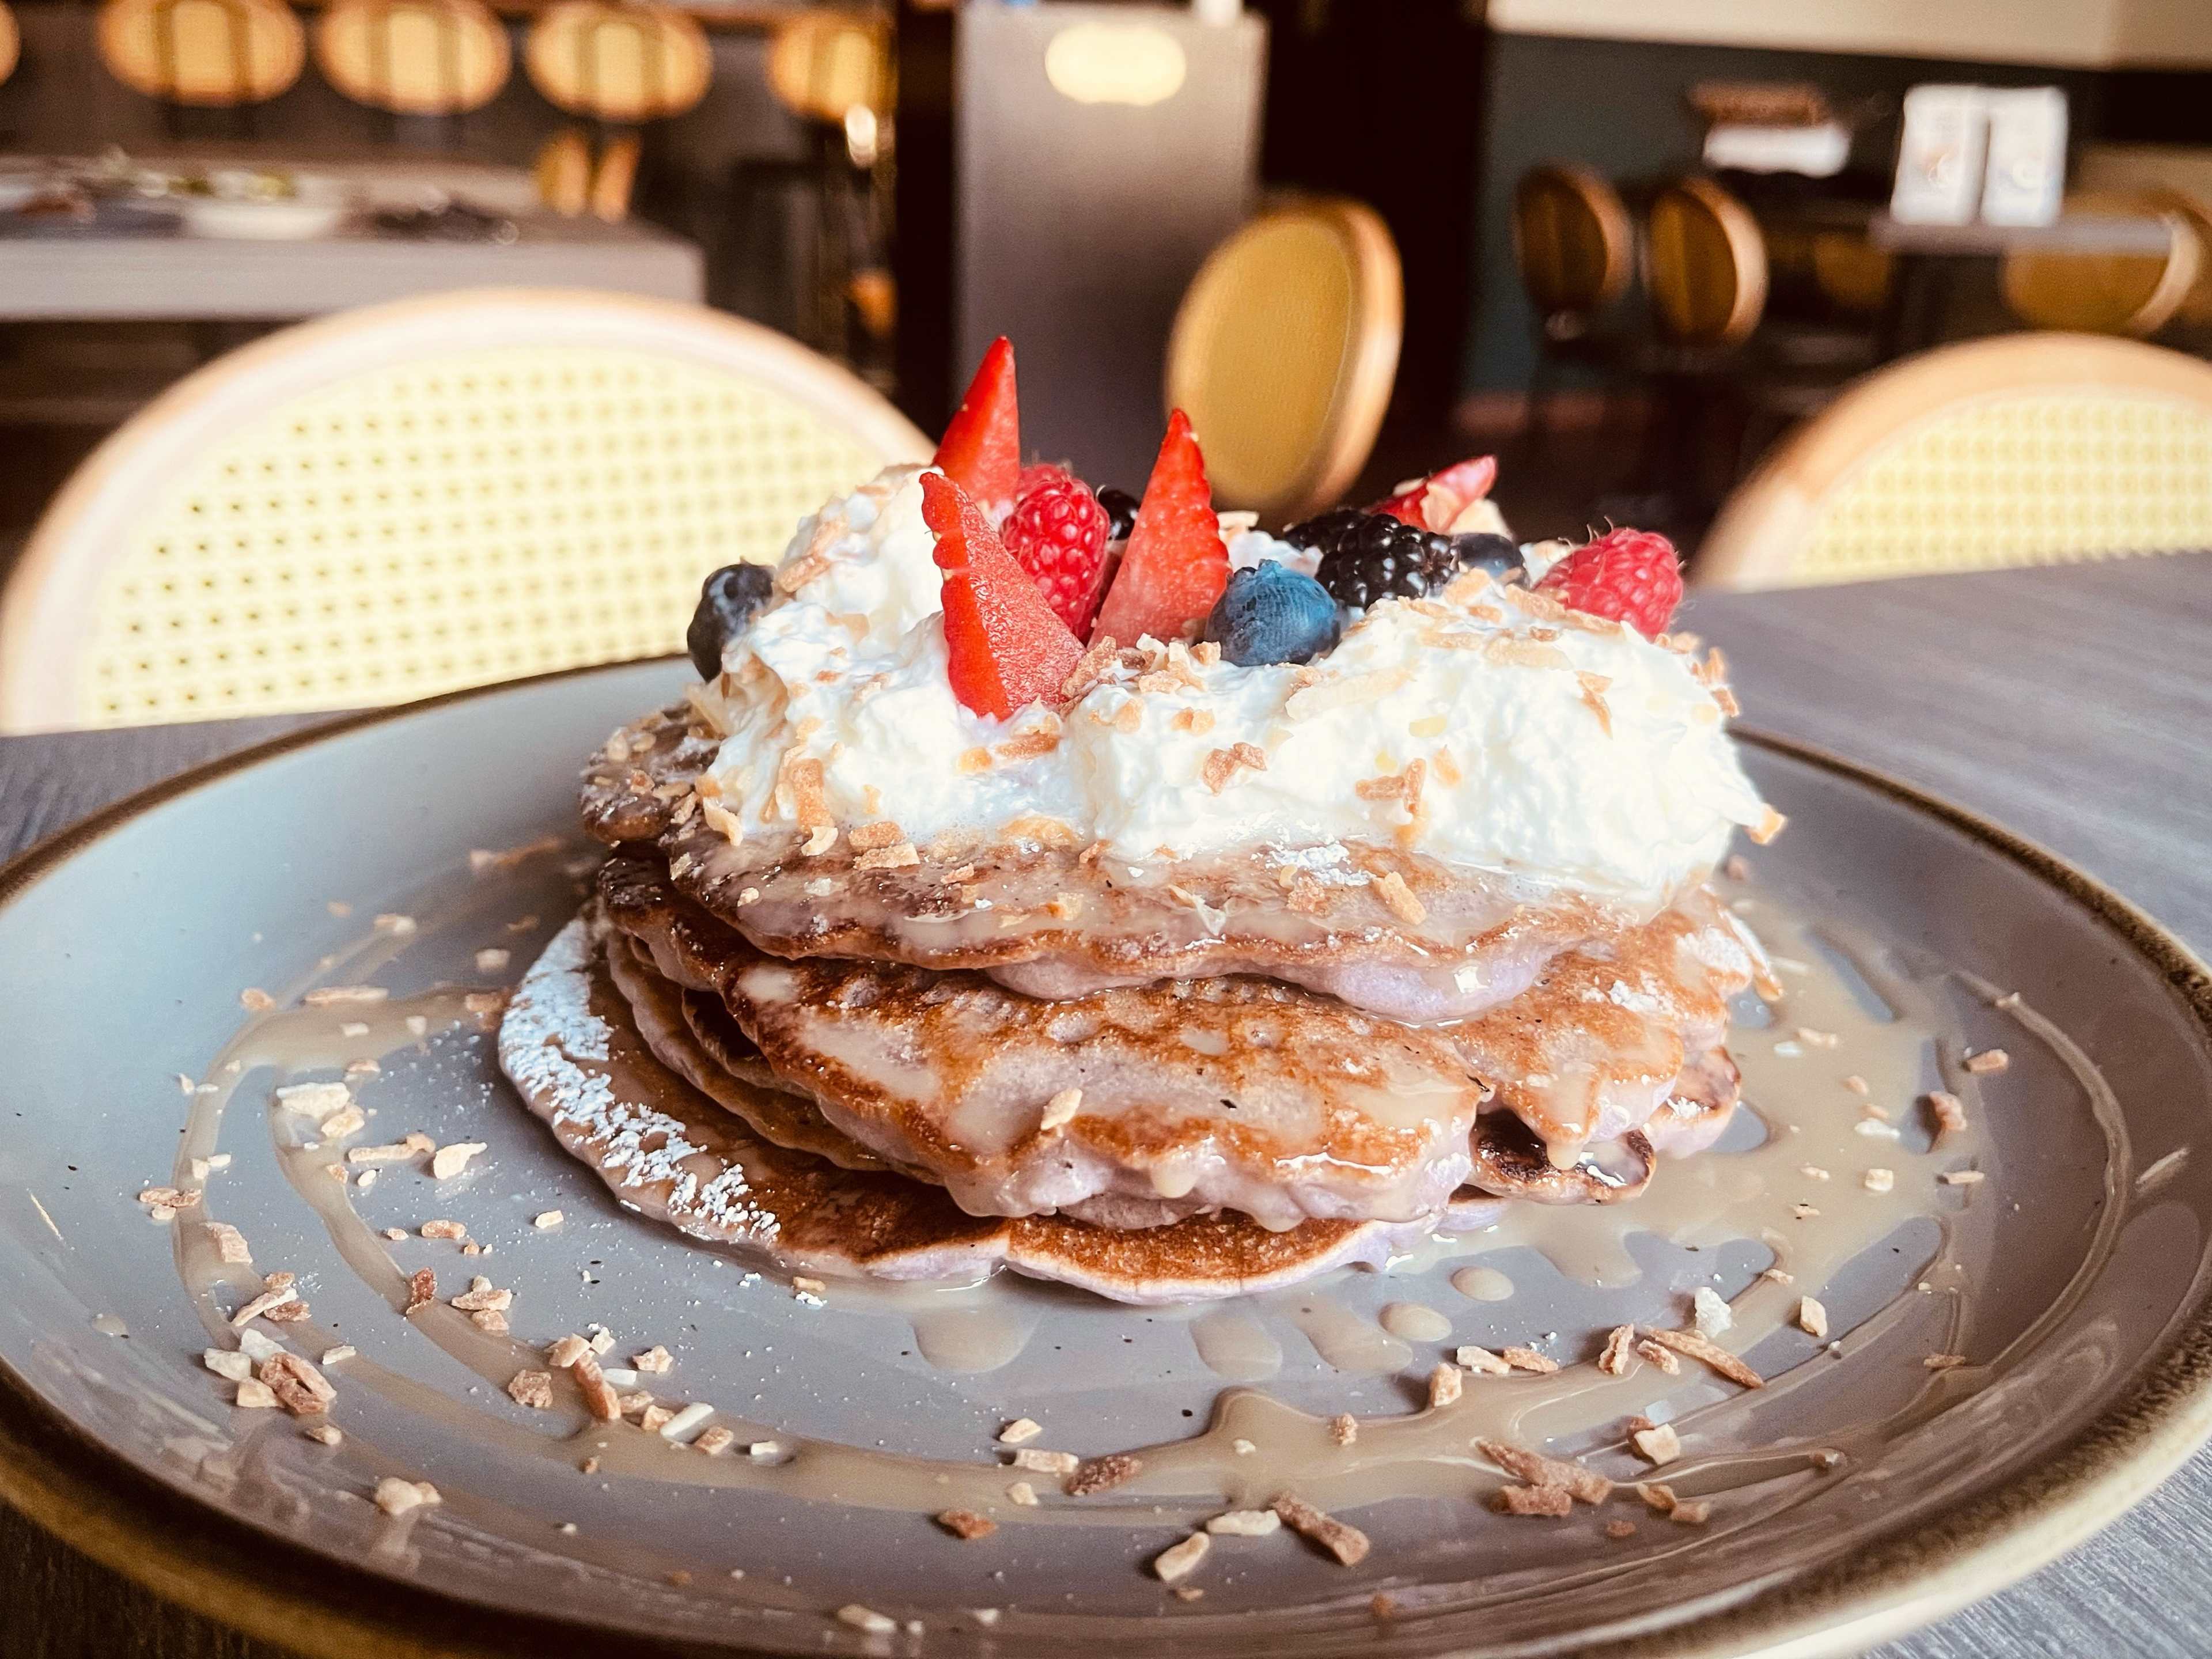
623,61
2128,293
408,498
1705,265
2026,449
1284,351
208,54
413,57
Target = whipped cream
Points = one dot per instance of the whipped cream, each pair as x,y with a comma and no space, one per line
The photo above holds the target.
1565,750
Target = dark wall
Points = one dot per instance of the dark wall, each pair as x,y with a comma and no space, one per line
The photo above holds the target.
1618,106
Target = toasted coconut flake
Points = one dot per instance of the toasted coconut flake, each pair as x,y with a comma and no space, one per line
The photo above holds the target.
277,1290
714,1442
1988,1061
1059,1463
1708,1312
1445,1383
1344,1429
1662,1358
1528,1359
1548,1501
1811,1317
1391,889
1767,828
330,996
655,1361
449,1161
1245,1523
1098,1474
1961,1177
1944,1361
1061,1110
396,1497
1346,1543
1950,1115
966,1524
1660,1442
1020,1431
1023,1495
1482,1360
1319,697
1619,1351
299,1387
421,1289
443,1229
1181,1560
866,1618
1694,1344
1879,1179
1538,1470
482,1296
599,1397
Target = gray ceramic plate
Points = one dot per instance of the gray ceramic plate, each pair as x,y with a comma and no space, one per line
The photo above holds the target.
124,946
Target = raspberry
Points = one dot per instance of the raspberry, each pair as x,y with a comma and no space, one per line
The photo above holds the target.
1631,575
1058,533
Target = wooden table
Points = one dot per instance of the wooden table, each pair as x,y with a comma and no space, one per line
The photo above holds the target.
205,277
2071,704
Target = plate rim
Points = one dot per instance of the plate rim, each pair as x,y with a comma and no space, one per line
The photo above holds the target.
244,1577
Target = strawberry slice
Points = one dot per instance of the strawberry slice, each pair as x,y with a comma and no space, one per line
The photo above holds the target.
1007,650
1433,502
1174,566
982,449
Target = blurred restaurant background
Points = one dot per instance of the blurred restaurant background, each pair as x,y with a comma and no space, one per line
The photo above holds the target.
1823,291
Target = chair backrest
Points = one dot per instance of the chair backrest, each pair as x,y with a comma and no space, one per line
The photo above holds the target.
1284,351
11,42
561,174
1572,241
212,54
2132,294
413,57
411,497
618,60
822,64
615,179
1705,264
2025,449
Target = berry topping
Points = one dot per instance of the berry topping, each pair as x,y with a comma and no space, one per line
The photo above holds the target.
727,600
1268,614
1005,648
1121,511
1483,549
1367,556
1629,575
1174,566
982,449
1436,501
1057,532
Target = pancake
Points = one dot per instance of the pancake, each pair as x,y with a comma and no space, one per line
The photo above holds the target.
571,1045
947,1076
1049,918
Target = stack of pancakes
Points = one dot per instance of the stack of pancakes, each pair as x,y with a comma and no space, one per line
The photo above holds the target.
1206,1078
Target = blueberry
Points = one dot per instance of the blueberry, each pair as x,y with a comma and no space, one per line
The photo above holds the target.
727,600
1120,512
1481,550
1269,613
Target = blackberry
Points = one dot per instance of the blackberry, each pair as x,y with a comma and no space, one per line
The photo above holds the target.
1367,556
727,600
1120,512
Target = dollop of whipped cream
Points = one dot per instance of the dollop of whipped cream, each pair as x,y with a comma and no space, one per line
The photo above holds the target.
1485,727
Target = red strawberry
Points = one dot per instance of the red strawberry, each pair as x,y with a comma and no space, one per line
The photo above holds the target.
1431,503
1174,566
1007,650
1057,533
1629,575
982,449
